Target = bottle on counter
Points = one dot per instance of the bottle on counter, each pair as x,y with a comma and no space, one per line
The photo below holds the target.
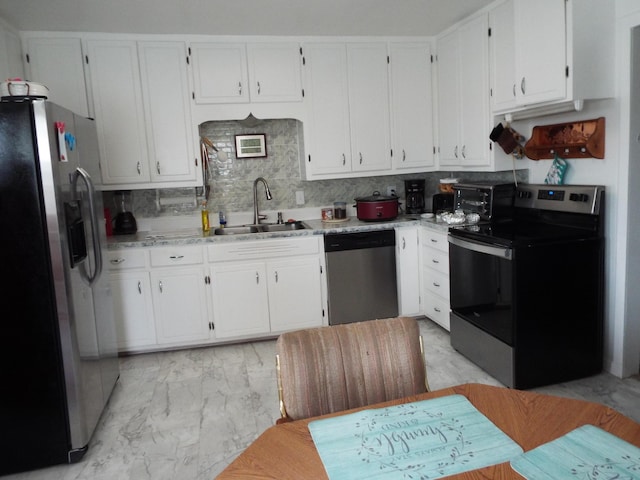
222,219
205,217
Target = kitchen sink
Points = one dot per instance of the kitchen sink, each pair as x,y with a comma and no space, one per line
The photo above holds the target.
262,228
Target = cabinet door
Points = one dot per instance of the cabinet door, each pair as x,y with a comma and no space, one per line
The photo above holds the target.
502,57
165,88
220,72
58,64
408,270
180,303
295,293
239,297
540,50
411,106
118,109
449,111
327,105
474,93
10,55
133,310
368,77
274,72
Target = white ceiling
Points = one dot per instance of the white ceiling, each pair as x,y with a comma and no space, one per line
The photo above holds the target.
240,17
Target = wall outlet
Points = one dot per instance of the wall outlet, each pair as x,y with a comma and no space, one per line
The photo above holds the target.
391,191
300,197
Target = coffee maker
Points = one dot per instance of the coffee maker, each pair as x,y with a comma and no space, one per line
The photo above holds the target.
414,190
125,222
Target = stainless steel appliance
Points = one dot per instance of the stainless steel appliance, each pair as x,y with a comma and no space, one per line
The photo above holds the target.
414,192
361,276
58,356
442,202
490,200
527,292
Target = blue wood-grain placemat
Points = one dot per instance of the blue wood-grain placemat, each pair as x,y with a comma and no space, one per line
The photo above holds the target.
421,440
586,453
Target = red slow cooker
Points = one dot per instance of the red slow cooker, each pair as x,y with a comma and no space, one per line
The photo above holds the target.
377,207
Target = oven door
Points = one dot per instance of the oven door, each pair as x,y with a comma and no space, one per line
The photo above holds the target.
481,286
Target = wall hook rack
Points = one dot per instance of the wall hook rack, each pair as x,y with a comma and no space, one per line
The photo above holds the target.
583,139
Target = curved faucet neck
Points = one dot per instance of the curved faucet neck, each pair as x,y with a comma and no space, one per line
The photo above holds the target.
256,214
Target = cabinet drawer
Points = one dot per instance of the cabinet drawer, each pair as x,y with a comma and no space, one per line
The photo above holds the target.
436,282
126,259
434,239
437,309
263,249
179,255
436,259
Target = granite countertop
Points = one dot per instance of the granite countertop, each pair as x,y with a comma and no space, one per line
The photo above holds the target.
316,227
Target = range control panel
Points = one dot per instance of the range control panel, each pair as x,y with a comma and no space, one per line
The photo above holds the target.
563,198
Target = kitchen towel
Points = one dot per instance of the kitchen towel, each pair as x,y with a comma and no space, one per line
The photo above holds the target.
588,452
427,439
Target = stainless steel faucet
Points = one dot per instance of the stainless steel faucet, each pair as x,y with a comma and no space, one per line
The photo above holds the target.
256,216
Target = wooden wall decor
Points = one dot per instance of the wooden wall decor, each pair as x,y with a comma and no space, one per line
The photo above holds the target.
583,139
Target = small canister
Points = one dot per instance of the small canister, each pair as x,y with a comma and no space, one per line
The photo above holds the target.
327,213
339,210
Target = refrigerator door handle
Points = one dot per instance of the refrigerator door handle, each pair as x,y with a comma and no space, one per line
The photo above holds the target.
95,232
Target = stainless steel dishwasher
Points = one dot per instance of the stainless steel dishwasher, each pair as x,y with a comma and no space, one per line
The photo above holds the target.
361,276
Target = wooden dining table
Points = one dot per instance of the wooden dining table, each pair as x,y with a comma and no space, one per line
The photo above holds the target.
287,451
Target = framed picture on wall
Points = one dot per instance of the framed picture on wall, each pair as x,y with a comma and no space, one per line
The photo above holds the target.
251,146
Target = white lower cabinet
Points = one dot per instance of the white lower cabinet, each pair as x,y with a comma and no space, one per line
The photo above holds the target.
408,270
132,302
435,275
266,287
178,286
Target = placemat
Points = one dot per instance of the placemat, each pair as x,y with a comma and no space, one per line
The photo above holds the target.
588,452
422,440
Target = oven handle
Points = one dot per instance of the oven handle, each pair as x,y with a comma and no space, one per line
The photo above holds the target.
506,253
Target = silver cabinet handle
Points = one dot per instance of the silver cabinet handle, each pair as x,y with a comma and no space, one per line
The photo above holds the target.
433,240
464,151
158,167
455,151
176,257
276,277
140,288
160,285
344,159
404,243
258,88
437,309
360,158
116,261
514,89
239,88
436,284
435,261
139,168
404,155
257,278
522,86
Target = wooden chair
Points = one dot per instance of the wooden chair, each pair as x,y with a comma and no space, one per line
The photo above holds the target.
329,369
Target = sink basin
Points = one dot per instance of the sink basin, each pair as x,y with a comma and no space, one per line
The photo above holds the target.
283,227
237,230
265,227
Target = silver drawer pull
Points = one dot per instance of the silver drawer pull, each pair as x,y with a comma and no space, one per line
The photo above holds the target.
140,288
117,261
433,240
436,284
435,261
176,257
160,285
437,309
257,278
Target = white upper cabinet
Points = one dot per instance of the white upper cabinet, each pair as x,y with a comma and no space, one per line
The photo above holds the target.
369,106
463,95
411,107
119,111
10,54
549,55
58,64
165,93
141,105
242,73
328,139
347,100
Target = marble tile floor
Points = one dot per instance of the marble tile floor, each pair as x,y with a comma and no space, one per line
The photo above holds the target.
186,414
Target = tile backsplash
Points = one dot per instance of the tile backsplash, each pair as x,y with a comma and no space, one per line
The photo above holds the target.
231,179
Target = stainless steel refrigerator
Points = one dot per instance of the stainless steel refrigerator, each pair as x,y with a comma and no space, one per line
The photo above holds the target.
58,343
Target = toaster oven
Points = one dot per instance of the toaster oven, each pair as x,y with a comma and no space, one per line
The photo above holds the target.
492,201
